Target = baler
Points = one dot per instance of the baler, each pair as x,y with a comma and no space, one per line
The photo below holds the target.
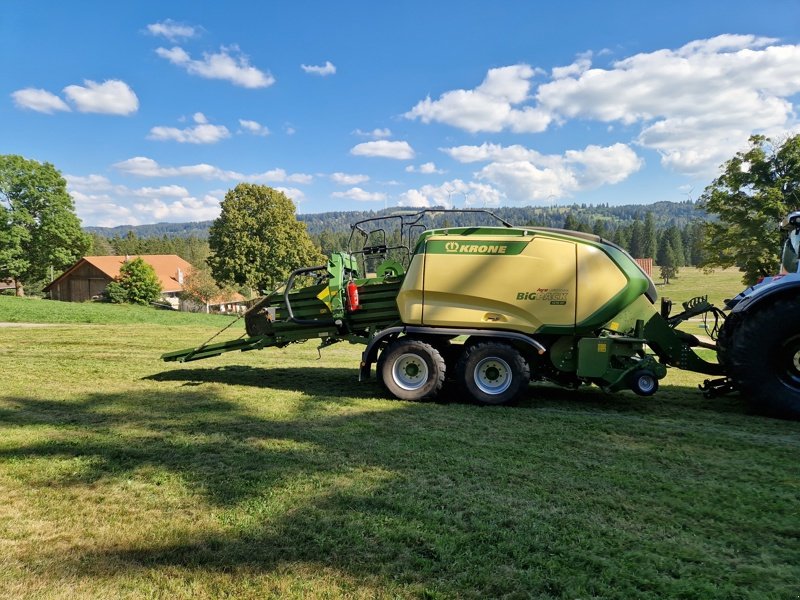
485,310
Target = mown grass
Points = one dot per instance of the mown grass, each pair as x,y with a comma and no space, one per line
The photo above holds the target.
35,310
275,474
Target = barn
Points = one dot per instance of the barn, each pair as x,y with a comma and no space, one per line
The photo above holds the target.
88,278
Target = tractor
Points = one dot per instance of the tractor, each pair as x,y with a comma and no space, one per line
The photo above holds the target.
485,309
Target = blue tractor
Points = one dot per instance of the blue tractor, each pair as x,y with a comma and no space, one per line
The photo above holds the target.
759,344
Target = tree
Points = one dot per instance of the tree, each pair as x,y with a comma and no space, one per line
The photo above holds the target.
636,246
39,230
257,240
666,259
200,287
649,241
756,189
137,284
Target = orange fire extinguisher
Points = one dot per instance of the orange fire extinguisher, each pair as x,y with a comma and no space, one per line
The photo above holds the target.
352,296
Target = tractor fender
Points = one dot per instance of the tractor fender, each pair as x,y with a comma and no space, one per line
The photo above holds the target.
370,353
767,290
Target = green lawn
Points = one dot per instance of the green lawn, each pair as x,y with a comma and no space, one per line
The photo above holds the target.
274,474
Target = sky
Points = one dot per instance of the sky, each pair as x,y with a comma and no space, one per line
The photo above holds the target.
152,110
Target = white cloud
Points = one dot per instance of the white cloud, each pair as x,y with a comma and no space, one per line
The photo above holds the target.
112,97
183,209
427,168
172,30
384,149
696,104
490,106
451,193
39,100
360,195
539,177
176,191
202,133
88,183
253,127
375,133
523,174
141,166
228,64
348,179
323,70
293,193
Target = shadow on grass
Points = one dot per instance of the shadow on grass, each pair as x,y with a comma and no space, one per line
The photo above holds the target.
312,381
328,382
454,499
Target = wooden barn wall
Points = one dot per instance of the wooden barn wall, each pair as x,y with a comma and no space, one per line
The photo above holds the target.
81,285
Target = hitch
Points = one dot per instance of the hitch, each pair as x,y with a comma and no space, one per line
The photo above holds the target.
714,388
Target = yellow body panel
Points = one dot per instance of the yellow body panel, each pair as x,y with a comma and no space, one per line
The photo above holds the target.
519,292
599,280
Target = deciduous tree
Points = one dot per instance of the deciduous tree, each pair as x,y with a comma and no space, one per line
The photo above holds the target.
257,240
756,189
39,229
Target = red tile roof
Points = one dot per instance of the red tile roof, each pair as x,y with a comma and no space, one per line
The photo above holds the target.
166,267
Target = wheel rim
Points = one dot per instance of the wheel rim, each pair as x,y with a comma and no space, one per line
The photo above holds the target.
646,383
410,372
492,376
789,362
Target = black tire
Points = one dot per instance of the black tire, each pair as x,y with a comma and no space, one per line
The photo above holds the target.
643,382
492,373
764,358
411,369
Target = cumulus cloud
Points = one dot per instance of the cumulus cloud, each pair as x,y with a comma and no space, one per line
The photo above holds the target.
448,194
348,179
427,168
360,195
228,64
490,107
100,202
693,105
201,133
384,149
172,30
142,166
188,208
39,100
378,133
525,175
112,97
253,127
322,70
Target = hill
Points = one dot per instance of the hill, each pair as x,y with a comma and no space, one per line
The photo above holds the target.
664,214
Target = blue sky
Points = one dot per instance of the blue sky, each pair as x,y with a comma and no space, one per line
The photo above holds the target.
152,110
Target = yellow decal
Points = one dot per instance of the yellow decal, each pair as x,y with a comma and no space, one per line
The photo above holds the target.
601,347
614,326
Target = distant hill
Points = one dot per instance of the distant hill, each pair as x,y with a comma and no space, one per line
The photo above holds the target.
664,214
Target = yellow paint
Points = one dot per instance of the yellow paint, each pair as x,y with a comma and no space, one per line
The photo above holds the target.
601,347
458,290
599,280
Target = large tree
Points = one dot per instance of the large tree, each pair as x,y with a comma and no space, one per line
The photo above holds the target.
39,231
756,189
257,240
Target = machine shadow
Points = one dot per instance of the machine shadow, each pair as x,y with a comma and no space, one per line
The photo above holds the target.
312,381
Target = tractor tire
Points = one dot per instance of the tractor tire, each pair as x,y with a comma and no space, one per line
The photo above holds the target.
411,370
764,358
492,373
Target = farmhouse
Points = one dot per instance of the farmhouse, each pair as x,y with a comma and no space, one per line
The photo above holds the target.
88,277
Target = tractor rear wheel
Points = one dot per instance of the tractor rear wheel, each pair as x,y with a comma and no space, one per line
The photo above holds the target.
492,373
764,358
411,369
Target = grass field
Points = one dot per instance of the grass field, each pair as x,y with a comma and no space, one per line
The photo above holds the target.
274,474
